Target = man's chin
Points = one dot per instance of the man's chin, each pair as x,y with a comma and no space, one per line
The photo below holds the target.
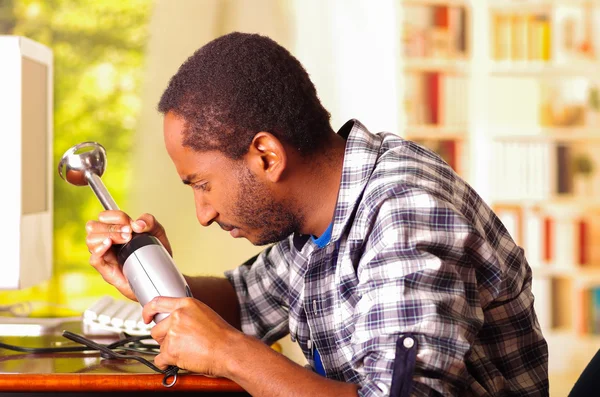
238,233
256,240
265,239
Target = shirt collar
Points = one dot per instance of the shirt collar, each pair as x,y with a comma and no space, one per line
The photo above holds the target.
360,157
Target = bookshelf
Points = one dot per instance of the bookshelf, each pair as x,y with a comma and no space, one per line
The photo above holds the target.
436,68
543,134
530,101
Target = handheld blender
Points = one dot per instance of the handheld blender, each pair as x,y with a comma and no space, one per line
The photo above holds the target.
146,263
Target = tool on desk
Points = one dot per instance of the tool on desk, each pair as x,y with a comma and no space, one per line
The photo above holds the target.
147,265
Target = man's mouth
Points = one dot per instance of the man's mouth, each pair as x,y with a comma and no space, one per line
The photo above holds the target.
233,231
225,227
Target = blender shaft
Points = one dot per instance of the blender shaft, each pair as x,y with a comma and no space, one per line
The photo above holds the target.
101,192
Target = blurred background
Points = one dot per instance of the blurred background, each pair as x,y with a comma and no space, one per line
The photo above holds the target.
507,91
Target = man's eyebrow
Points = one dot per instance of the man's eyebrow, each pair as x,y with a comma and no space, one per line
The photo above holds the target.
188,179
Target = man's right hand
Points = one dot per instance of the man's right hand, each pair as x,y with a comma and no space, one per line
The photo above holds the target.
115,227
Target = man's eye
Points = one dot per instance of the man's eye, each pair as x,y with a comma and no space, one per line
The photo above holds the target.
200,186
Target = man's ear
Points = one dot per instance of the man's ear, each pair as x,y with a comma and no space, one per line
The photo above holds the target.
267,156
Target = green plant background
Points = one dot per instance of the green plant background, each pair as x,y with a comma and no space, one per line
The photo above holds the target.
98,49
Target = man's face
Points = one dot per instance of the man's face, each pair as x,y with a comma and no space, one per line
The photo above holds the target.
227,192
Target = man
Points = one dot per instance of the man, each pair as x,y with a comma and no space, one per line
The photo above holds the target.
388,270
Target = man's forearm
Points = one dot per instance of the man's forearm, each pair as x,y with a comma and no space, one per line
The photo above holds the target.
219,295
263,372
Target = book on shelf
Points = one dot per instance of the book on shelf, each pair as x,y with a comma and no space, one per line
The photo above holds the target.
501,37
441,43
587,310
565,242
561,299
583,307
545,170
521,37
592,237
435,31
593,312
541,288
553,237
523,170
533,238
432,95
564,167
436,99
570,240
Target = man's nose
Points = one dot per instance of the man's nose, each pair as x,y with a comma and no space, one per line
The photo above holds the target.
205,213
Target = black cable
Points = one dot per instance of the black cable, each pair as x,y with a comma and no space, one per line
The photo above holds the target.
110,351
171,370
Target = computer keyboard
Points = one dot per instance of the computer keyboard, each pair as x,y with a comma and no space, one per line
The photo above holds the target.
108,315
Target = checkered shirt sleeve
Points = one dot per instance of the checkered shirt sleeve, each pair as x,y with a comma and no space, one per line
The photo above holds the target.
261,285
460,287
415,279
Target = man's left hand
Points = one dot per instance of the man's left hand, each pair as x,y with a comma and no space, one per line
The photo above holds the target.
192,337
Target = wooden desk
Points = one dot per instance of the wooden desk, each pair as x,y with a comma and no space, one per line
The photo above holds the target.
88,372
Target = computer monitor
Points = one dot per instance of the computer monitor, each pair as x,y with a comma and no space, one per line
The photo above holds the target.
26,166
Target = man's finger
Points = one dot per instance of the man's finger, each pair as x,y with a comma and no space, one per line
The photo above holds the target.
161,304
110,257
159,331
114,217
98,238
161,361
145,223
98,250
148,223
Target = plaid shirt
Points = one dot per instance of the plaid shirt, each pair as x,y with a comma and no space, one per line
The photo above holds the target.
420,290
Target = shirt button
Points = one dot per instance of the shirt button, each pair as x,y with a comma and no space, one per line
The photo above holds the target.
408,342
309,344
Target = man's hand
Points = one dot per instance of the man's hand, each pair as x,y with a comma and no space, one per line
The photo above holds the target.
116,227
193,336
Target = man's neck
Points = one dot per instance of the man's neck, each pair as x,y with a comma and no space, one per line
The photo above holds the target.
317,189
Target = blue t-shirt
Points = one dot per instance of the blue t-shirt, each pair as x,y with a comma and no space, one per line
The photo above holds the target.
325,237
321,242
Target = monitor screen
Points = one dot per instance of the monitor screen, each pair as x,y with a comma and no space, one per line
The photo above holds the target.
26,167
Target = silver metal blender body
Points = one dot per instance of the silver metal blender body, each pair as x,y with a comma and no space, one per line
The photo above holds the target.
146,263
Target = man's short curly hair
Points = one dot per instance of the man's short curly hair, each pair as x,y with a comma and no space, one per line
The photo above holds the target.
240,84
